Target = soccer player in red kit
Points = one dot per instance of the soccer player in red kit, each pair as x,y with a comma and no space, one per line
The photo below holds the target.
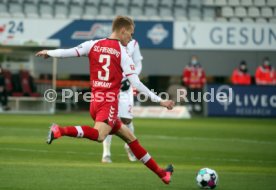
108,60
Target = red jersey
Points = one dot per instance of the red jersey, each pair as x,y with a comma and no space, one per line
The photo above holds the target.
264,76
240,78
104,76
194,77
108,61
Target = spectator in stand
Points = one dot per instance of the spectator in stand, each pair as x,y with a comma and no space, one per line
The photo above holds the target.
240,75
274,80
265,73
194,79
3,92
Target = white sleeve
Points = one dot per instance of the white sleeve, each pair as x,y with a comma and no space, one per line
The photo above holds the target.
136,83
81,50
62,53
138,67
137,58
127,64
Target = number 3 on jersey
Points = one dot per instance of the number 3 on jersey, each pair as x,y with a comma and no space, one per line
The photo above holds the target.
104,75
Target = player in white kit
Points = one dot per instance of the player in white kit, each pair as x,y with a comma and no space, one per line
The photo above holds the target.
125,103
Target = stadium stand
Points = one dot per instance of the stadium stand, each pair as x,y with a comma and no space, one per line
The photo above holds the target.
234,20
266,12
109,3
30,9
196,3
20,84
165,12
194,10
124,3
248,20
271,3
121,9
240,12
259,3
135,11
194,14
181,3
105,11
92,2
75,10
261,20
166,3
246,3
221,2
8,81
3,10
272,20
90,11
234,3
253,12
152,3
60,9
227,12
180,13
45,9
15,9
208,2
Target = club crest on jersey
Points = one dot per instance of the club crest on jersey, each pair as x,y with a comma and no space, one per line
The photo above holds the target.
132,67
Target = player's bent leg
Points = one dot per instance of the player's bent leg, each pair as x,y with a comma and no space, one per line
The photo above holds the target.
169,171
53,133
125,134
126,121
142,155
129,124
103,129
106,158
98,133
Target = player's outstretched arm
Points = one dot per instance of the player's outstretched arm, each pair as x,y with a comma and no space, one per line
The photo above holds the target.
42,53
58,53
169,104
136,83
81,50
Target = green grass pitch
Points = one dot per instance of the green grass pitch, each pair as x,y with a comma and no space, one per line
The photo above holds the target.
242,151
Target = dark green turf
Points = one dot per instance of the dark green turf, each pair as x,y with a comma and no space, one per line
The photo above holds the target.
242,151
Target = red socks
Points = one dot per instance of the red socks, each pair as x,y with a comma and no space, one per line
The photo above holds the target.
142,155
80,131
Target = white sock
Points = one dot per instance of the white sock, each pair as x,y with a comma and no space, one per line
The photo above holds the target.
106,146
131,127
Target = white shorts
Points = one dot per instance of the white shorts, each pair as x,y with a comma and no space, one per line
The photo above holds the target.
126,104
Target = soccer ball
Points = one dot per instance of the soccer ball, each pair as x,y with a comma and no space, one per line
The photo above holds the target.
207,178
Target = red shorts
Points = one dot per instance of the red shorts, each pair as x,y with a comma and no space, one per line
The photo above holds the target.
106,112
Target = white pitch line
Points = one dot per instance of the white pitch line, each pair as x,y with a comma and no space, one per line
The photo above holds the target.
163,137
207,139
171,156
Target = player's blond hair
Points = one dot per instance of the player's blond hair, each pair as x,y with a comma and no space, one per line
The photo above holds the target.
122,22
